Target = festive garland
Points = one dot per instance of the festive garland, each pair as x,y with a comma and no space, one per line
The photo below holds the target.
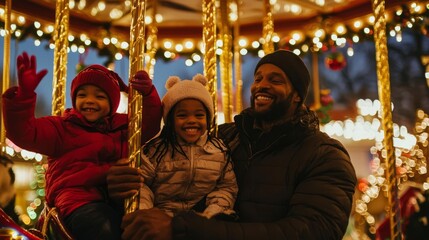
412,16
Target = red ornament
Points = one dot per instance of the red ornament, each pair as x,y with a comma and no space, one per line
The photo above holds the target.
325,97
363,184
335,61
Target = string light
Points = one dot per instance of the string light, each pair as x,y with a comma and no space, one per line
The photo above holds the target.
409,151
37,184
413,15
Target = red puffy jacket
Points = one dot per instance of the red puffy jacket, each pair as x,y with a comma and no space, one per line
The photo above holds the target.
79,153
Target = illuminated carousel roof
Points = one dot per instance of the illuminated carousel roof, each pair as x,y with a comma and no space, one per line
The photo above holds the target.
183,19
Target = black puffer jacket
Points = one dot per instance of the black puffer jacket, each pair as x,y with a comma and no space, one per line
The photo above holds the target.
295,182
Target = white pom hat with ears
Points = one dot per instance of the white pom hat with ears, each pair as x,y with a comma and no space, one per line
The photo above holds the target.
178,90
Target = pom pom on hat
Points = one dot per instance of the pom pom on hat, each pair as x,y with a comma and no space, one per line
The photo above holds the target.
178,90
293,66
171,81
99,76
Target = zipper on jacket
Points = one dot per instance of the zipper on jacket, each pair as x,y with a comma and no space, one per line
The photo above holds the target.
249,144
261,151
192,171
249,148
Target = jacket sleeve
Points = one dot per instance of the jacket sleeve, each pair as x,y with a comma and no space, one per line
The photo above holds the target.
151,115
319,207
321,204
23,129
222,198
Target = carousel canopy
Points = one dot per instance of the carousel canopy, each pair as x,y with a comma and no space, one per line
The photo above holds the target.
297,24
183,19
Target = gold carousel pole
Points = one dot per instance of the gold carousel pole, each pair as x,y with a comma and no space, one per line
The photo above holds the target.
237,61
60,56
209,40
135,100
226,60
6,67
384,95
151,42
316,81
268,28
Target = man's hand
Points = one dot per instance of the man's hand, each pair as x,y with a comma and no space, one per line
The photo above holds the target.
28,79
123,181
142,83
147,224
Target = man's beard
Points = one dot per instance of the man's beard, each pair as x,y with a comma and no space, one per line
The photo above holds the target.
276,111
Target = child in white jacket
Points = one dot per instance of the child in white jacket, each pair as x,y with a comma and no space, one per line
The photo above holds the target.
184,164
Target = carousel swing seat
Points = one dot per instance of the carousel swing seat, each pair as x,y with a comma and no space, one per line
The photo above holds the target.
51,225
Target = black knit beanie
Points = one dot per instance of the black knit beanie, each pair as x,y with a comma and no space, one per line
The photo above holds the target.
293,66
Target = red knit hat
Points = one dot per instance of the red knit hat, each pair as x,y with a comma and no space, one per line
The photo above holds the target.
99,76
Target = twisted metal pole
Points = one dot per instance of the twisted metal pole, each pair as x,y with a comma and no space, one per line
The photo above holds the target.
226,60
316,82
237,62
268,28
135,99
151,43
6,66
384,95
209,40
61,33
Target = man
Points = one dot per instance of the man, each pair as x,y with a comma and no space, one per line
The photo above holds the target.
294,181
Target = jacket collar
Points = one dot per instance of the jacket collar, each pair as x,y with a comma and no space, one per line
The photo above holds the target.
304,122
107,124
200,142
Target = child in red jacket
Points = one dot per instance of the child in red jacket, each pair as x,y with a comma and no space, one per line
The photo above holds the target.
82,144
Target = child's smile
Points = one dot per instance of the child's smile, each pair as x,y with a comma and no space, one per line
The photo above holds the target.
190,120
92,103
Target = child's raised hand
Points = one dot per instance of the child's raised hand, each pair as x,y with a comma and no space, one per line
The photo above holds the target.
28,79
142,82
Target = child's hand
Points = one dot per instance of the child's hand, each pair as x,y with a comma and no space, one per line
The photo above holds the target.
142,83
28,79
